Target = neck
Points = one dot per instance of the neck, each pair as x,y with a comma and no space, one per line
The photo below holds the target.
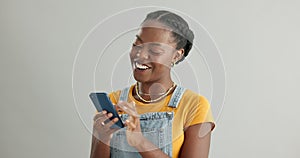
154,88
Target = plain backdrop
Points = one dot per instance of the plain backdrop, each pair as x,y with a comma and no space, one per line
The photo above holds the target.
258,41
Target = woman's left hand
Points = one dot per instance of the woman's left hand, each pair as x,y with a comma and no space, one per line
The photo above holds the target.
133,132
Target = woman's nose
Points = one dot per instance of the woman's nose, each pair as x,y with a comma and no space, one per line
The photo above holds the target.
142,53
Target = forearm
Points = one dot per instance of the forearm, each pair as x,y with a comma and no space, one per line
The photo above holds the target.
148,150
99,149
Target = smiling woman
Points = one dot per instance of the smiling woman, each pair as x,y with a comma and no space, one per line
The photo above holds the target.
163,119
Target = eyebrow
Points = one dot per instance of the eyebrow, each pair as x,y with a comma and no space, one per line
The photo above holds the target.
139,38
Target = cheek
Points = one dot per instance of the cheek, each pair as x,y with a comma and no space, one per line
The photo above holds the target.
164,60
132,55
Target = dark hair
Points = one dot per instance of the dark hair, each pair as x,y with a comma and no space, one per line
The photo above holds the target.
180,29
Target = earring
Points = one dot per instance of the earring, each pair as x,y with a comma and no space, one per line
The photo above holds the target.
172,64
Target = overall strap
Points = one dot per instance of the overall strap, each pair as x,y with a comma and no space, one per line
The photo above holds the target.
176,96
124,94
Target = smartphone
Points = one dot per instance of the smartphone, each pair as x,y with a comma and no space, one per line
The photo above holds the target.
102,102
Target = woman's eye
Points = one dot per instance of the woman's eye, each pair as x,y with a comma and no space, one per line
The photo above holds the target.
155,52
135,46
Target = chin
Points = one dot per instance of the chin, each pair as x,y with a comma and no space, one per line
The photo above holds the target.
141,78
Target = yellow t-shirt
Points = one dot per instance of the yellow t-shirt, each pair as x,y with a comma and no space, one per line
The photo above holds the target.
192,109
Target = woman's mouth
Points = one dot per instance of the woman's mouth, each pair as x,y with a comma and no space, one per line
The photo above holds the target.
141,66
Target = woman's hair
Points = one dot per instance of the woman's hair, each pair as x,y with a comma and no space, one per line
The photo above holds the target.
180,29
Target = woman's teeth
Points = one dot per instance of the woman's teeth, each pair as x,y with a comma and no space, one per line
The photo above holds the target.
140,66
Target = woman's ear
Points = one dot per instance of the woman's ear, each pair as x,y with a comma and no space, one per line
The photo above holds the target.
178,55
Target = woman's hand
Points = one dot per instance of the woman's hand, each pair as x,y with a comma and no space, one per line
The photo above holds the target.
101,127
133,133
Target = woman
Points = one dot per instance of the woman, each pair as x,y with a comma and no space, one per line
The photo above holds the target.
162,118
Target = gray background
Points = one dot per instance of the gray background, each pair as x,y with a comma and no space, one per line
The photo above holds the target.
258,40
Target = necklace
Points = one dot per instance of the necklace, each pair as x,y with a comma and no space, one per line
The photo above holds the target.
148,94
154,100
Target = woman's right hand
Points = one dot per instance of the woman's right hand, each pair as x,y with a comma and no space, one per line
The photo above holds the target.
101,127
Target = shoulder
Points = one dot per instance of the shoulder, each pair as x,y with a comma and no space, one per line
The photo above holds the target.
196,108
114,96
193,102
194,98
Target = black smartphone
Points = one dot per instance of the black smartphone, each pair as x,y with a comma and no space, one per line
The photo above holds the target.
102,102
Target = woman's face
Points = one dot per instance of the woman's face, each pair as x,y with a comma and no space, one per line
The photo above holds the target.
152,53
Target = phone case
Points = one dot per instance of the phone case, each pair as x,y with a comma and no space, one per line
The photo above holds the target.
102,102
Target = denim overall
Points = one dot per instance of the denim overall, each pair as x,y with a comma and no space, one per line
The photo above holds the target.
155,126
